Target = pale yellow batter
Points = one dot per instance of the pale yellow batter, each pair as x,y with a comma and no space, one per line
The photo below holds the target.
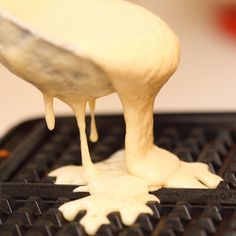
86,49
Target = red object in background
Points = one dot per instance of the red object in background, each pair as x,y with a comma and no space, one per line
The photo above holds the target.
4,153
227,19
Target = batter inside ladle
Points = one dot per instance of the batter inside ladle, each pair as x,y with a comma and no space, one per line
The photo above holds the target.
114,46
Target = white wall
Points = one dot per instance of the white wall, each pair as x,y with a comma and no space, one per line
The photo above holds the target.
205,80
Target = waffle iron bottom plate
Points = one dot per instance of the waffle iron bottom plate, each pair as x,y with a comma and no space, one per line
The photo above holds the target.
29,200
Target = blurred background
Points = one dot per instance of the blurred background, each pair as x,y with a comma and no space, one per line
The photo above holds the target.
205,80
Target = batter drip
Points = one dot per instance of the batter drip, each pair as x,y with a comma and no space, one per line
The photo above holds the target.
103,46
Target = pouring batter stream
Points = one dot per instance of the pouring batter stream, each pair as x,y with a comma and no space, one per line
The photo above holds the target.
102,46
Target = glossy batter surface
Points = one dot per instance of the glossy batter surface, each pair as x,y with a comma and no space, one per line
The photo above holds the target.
101,47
